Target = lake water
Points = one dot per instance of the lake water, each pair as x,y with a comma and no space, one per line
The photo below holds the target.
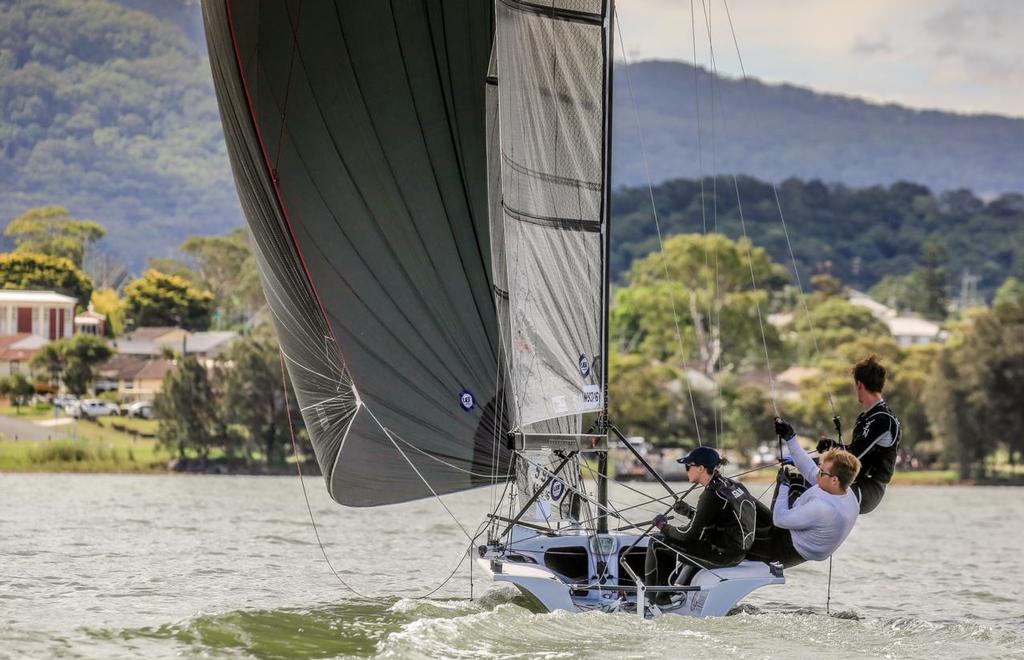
161,566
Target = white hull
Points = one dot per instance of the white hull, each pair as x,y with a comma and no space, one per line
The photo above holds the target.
576,572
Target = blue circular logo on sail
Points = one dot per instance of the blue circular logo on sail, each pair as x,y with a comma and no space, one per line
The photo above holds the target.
584,365
467,400
557,489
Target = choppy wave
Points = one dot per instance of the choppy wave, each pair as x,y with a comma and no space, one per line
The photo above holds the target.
495,627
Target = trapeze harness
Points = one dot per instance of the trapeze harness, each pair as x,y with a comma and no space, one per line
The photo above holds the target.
876,441
721,532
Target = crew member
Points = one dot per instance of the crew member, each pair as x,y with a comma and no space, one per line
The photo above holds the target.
719,533
876,435
820,519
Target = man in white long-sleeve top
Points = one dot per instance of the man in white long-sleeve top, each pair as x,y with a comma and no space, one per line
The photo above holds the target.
820,519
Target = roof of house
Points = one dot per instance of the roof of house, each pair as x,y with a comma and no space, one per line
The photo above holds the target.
153,342
12,296
19,347
864,300
205,342
149,333
912,326
134,367
90,318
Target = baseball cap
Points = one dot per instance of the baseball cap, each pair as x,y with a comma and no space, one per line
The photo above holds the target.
705,456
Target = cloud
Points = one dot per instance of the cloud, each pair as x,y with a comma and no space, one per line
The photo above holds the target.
878,46
979,40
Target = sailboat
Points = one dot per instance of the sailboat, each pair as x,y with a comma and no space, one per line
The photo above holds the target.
427,186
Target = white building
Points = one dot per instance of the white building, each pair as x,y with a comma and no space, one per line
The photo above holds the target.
905,329
44,314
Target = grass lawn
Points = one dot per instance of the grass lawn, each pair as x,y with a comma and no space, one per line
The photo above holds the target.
86,447
29,412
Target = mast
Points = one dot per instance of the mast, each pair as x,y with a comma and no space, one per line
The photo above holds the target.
606,220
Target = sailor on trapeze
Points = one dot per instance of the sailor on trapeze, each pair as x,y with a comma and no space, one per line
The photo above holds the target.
718,535
876,435
813,526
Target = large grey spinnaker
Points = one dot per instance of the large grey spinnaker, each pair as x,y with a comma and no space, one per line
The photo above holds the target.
356,132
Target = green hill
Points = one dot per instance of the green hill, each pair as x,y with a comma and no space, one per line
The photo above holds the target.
774,132
107,108
857,234
110,112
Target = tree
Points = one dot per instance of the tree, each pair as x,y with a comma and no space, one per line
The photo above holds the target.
18,388
254,393
747,418
695,300
50,360
82,353
107,302
38,271
226,267
160,299
934,275
51,230
188,410
73,360
975,388
830,323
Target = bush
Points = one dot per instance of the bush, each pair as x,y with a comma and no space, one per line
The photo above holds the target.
67,451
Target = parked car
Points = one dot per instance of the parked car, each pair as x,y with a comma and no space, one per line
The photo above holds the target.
143,409
65,401
93,408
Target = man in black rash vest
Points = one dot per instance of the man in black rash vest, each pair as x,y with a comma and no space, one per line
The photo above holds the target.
876,435
718,535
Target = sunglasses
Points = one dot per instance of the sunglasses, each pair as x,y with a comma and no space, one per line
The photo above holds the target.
823,472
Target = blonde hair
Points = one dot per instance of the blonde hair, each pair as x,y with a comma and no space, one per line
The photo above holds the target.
845,465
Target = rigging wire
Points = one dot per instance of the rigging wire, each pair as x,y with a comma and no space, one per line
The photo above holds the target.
657,225
782,219
739,206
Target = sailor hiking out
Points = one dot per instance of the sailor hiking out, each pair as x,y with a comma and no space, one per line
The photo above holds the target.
876,435
719,533
817,523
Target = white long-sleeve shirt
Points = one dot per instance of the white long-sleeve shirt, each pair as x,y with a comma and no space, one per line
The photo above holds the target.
819,521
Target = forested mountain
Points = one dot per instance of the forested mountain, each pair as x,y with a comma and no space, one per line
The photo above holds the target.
773,132
107,108
110,112
857,234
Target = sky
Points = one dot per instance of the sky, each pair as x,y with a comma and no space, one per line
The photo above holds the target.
957,55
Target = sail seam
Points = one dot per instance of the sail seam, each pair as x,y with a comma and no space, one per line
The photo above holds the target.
570,15
555,222
552,178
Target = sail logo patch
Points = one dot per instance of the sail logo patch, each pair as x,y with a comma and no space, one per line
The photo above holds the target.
557,490
584,365
591,397
467,400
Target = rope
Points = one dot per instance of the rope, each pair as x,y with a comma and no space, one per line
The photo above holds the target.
316,530
828,597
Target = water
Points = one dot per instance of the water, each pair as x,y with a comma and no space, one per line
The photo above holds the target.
160,566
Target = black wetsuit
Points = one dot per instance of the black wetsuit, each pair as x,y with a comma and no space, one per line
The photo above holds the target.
719,535
876,441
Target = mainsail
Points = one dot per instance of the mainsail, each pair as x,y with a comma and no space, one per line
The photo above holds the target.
382,152
550,78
